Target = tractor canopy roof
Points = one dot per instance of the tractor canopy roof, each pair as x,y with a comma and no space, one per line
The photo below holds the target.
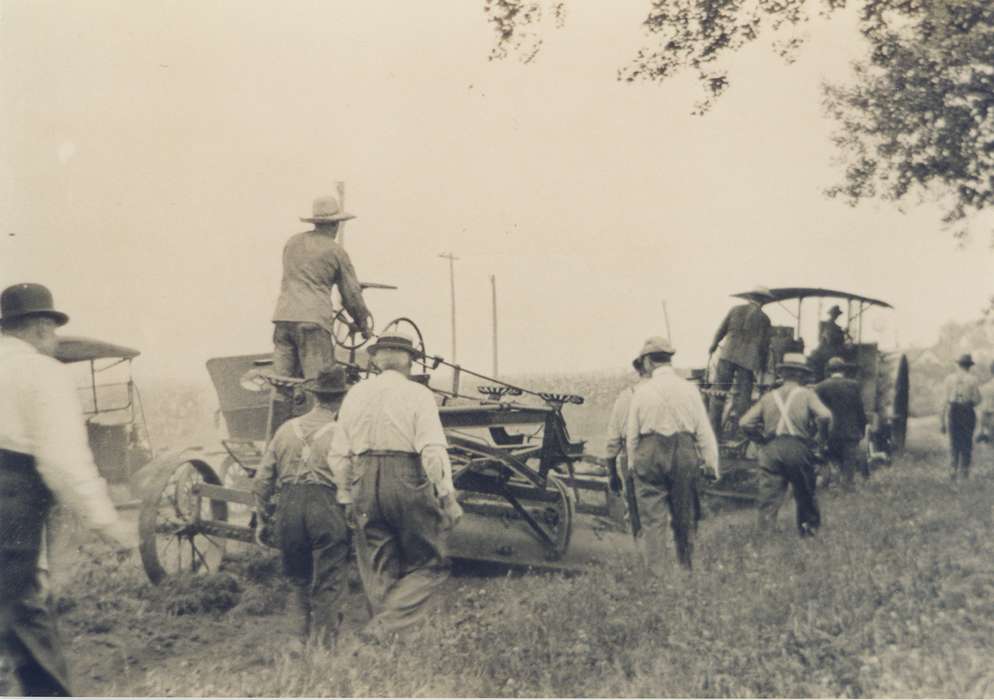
79,349
787,293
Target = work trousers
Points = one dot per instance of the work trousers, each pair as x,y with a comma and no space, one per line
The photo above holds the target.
848,456
301,349
400,539
314,542
29,639
738,380
666,469
788,461
962,423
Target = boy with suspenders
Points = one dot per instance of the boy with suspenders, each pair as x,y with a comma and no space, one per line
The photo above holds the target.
310,525
785,422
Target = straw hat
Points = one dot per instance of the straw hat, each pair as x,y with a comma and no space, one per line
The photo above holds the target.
794,361
396,340
656,343
327,209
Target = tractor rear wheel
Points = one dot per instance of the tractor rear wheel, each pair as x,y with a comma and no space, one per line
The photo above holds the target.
558,517
170,541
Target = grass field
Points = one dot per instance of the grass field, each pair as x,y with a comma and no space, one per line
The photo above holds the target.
894,598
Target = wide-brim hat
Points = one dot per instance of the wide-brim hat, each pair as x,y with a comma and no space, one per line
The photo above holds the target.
327,209
759,293
29,299
965,360
395,341
836,310
329,382
655,344
794,361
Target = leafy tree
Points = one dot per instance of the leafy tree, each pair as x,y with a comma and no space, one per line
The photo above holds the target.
915,122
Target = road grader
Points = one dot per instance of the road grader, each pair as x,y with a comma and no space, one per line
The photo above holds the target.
529,500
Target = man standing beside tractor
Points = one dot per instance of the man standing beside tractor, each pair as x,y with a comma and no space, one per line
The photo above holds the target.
310,525
314,263
844,399
782,423
44,460
668,437
961,394
744,354
619,474
391,465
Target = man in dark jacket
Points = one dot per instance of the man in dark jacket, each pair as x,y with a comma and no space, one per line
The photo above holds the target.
746,332
844,398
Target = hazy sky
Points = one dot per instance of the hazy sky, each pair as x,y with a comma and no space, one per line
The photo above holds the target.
157,155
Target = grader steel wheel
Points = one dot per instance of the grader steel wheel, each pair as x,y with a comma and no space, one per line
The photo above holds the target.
559,517
171,541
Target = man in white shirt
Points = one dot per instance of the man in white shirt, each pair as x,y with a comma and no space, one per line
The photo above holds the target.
44,460
669,439
959,414
391,465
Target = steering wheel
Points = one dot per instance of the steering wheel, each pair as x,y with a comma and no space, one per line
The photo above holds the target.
345,331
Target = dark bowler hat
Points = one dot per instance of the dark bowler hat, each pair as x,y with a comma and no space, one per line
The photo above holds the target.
329,382
396,340
29,299
835,311
837,364
965,360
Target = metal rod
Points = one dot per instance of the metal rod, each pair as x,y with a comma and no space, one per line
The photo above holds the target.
93,385
340,189
493,298
452,294
666,315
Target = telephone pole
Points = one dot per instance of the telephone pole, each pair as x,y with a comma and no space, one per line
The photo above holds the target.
493,296
452,289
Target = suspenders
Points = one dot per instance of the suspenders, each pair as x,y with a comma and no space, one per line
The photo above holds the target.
786,426
308,441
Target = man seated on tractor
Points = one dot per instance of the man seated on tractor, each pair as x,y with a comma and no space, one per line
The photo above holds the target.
313,264
843,397
310,525
744,354
831,342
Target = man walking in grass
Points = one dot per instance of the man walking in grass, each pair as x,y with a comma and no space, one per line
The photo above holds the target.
844,399
393,473
310,525
961,392
785,422
669,439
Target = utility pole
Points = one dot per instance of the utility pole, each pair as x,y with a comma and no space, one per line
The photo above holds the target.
493,296
452,288
666,315
340,189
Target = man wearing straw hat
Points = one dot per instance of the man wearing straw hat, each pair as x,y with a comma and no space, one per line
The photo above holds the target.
44,460
785,422
313,264
669,440
959,415
391,464
744,354
312,534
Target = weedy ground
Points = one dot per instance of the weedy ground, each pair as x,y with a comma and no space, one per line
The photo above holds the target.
895,597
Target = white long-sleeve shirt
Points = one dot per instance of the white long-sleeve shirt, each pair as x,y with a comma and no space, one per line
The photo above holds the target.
617,424
389,412
40,415
668,404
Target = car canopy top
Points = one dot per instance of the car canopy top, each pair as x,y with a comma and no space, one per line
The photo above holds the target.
78,349
781,294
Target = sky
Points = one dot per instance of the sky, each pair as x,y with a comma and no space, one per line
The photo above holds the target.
156,156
